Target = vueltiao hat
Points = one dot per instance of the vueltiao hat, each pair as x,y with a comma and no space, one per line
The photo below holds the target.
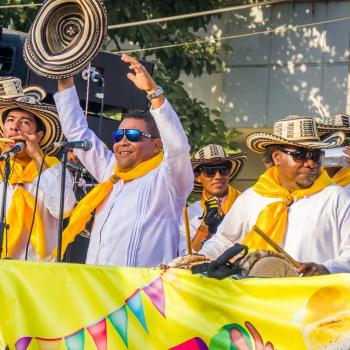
293,130
12,96
333,123
215,153
65,36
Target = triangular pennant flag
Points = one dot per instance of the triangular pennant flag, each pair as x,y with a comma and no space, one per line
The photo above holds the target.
23,343
48,344
134,303
192,344
76,340
119,320
155,291
98,332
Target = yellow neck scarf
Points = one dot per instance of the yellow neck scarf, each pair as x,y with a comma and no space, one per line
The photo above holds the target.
342,177
21,211
82,212
273,218
227,204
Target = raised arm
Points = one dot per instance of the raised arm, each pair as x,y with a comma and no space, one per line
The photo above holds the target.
175,143
99,160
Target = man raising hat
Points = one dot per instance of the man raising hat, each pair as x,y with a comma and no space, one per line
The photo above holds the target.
294,202
334,123
23,118
214,171
142,189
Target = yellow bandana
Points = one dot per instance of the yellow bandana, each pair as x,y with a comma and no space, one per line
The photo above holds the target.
273,218
227,204
21,211
342,177
82,212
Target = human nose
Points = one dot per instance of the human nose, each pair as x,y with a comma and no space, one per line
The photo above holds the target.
15,125
124,140
217,175
311,163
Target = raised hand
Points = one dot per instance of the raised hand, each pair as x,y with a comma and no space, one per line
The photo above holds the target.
141,78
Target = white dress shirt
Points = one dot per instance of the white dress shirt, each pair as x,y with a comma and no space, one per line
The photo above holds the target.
137,224
48,206
318,228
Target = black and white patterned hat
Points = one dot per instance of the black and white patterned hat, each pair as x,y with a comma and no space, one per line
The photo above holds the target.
213,154
296,131
65,36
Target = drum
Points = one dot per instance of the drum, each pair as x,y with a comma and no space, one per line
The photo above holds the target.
265,263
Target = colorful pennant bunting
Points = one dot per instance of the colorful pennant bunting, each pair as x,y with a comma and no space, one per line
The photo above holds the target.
76,340
48,344
119,320
155,291
134,303
98,332
23,343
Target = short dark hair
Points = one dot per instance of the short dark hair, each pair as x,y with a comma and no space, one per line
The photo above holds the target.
147,118
39,123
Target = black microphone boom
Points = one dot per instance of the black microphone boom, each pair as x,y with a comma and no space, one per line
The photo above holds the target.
17,148
77,168
84,145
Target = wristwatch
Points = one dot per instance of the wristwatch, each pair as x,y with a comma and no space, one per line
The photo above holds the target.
156,94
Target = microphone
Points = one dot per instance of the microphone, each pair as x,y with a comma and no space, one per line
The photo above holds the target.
95,76
77,168
17,148
84,145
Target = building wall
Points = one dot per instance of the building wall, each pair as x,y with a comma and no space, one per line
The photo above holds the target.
303,71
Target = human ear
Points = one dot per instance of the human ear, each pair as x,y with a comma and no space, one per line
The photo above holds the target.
276,157
157,145
39,135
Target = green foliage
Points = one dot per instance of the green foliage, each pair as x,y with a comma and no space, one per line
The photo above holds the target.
18,18
202,125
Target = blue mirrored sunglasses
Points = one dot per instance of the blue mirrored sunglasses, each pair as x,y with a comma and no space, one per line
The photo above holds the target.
133,135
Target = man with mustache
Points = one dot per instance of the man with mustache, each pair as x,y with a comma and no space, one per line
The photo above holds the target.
143,183
214,170
294,202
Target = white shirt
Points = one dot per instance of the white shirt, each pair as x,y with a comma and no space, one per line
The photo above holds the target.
318,228
194,211
137,224
48,206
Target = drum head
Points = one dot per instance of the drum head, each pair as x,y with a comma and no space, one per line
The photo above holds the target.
272,266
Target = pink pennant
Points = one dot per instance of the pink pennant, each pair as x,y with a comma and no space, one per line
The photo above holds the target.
192,344
98,332
155,291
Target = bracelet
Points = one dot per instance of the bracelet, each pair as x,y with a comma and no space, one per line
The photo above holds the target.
155,94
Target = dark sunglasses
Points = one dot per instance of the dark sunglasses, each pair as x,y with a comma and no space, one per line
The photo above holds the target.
210,171
302,156
133,135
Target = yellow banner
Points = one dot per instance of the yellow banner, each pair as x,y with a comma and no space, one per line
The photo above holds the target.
76,307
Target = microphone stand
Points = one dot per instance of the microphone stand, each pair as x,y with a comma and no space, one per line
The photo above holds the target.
60,219
3,224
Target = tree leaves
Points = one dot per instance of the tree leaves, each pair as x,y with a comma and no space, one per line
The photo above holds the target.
202,125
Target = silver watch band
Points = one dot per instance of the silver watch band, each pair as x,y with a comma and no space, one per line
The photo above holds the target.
155,94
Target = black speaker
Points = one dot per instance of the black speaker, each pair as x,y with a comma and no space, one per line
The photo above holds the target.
120,93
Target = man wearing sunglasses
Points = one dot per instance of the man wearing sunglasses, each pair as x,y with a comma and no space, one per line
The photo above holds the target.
214,170
294,202
143,183
340,173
